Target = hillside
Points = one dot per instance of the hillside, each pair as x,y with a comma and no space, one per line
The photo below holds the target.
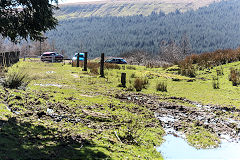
127,7
208,28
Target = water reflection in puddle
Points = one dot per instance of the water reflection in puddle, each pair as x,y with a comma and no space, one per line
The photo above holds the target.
178,148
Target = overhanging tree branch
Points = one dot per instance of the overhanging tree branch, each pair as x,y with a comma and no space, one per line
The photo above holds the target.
23,19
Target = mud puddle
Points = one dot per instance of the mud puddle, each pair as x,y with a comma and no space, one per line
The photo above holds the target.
177,148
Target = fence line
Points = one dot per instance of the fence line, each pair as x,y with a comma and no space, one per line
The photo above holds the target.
9,58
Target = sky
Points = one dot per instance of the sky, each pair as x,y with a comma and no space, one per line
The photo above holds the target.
73,1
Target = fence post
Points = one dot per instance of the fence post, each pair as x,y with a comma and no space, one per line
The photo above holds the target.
7,59
18,54
102,65
85,61
77,60
123,79
1,59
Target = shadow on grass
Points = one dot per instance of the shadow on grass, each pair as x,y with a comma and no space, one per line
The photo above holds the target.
28,141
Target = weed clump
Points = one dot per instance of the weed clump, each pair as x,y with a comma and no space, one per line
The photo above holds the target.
188,71
220,71
234,76
111,66
139,84
161,86
215,83
15,80
94,71
131,68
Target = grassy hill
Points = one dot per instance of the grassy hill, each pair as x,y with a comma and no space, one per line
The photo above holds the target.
127,8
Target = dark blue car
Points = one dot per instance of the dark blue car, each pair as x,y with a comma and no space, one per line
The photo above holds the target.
116,61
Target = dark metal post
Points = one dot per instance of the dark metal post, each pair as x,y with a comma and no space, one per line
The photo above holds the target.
102,65
85,61
77,60
123,79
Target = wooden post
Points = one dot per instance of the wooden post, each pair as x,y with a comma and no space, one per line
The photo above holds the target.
85,61
123,79
77,60
1,59
7,59
102,65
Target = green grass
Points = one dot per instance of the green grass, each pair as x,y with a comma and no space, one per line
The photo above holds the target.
80,95
199,137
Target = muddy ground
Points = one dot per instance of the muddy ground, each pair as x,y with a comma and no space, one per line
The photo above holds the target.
176,119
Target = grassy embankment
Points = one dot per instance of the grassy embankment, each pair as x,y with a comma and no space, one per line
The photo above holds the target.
67,113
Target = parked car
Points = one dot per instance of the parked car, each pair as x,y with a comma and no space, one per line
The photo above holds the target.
116,61
81,57
49,56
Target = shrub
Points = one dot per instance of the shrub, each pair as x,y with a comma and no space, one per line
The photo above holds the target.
216,58
215,83
15,80
92,65
234,76
131,68
220,71
189,72
140,83
161,86
94,70
111,66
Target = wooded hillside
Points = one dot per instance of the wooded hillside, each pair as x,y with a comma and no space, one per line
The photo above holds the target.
208,29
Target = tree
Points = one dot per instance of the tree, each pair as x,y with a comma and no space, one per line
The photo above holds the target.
185,46
23,19
2,46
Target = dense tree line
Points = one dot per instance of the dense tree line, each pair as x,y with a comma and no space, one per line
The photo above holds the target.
207,29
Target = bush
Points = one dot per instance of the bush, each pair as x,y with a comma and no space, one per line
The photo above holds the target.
93,65
111,66
161,86
215,83
220,71
15,80
139,84
234,76
131,68
94,70
189,72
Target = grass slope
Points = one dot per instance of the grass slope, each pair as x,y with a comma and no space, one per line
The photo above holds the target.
126,8
66,113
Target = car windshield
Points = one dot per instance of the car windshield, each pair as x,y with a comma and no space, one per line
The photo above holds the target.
80,55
